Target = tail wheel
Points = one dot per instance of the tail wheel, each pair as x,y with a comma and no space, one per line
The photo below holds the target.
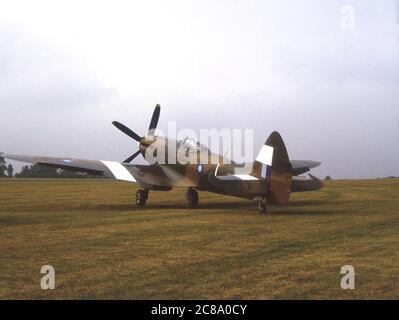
192,198
141,197
262,206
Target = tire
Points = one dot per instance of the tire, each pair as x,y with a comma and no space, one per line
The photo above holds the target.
192,198
141,198
262,207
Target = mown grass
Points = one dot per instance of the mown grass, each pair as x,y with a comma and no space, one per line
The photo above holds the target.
103,247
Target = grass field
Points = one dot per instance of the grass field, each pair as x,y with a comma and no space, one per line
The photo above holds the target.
102,246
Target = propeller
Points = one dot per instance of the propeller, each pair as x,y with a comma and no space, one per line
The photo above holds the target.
132,157
154,120
135,136
127,131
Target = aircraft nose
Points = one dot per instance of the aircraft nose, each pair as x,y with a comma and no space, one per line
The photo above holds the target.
147,140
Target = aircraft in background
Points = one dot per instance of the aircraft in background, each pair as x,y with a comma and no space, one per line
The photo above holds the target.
270,179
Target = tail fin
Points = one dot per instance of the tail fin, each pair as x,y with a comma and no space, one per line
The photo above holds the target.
273,165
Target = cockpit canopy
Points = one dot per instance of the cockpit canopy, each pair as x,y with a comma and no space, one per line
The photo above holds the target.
192,145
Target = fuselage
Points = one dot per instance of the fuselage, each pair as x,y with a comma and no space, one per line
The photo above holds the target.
192,160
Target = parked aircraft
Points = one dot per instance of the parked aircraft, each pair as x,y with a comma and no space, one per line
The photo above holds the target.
270,179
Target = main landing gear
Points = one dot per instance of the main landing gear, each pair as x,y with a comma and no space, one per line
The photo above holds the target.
263,206
192,198
141,197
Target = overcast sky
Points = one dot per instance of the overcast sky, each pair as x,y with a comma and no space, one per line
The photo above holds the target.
329,85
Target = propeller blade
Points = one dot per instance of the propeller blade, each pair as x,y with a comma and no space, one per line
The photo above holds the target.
127,131
154,120
132,157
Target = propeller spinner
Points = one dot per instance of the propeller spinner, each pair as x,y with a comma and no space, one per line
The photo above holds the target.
135,136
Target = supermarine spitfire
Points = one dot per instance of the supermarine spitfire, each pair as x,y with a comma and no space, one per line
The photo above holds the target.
270,179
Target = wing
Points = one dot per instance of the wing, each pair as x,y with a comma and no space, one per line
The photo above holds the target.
107,169
302,166
162,177
241,185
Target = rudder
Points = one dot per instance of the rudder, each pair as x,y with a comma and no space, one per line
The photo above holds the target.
273,166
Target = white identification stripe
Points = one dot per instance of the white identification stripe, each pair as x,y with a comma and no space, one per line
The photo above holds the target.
265,155
119,171
236,177
245,177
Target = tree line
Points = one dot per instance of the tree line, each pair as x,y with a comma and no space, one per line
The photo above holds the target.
36,171
5,170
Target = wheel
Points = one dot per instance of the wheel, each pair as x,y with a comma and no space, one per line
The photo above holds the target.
262,206
192,197
141,197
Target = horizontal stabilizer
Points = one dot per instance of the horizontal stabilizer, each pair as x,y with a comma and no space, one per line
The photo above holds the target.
302,166
302,184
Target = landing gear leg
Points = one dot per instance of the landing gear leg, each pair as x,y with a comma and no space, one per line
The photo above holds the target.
141,197
263,206
192,198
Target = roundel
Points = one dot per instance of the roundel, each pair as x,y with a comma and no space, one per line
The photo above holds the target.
200,168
